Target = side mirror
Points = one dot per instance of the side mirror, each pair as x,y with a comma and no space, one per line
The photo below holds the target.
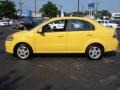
42,32
44,29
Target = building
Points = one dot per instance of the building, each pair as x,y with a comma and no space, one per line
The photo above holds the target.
29,13
26,13
37,14
115,16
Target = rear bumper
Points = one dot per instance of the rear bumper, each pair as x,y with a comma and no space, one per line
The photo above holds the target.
111,45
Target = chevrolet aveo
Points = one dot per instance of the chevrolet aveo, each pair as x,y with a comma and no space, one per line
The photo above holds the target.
77,35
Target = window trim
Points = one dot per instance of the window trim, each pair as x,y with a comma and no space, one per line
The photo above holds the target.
65,30
69,24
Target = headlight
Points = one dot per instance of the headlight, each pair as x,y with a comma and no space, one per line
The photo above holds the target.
9,38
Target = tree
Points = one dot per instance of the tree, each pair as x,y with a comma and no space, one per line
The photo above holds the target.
49,10
102,13
7,9
79,14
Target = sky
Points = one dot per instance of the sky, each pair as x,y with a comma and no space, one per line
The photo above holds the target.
71,5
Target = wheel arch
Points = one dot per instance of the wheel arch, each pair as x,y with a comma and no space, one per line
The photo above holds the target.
22,43
99,44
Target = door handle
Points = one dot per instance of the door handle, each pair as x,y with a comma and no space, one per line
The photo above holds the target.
89,35
60,36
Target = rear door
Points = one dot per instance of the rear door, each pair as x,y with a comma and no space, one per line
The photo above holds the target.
80,32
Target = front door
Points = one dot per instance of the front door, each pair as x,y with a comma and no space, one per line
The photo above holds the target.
52,40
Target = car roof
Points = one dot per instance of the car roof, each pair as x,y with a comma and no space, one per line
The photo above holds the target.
103,20
82,18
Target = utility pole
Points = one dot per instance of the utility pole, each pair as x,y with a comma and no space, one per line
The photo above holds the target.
78,7
35,9
96,5
82,9
20,4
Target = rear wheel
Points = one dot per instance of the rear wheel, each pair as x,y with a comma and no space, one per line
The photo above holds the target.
23,51
94,52
54,27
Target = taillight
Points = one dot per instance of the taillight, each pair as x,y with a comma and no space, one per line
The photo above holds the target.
115,35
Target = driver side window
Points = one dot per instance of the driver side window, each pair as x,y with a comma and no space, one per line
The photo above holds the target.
55,26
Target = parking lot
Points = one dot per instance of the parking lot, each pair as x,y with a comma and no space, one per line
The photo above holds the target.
57,72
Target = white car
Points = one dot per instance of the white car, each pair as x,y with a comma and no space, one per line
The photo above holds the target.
57,25
3,23
11,22
108,23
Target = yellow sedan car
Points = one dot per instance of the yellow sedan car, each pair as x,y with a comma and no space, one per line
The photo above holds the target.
70,35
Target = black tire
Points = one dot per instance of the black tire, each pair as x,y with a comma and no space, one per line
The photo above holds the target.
23,51
94,52
54,27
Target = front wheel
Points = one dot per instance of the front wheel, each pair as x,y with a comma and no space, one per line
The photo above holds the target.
94,52
23,51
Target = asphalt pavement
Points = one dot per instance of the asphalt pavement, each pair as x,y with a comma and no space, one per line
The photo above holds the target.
57,72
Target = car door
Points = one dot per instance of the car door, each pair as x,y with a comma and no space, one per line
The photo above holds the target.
51,40
80,32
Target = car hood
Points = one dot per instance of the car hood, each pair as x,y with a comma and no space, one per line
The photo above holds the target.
21,33
114,24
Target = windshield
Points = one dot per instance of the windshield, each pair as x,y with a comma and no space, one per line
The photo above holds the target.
37,23
111,22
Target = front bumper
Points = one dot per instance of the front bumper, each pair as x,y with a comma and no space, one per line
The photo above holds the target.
9,47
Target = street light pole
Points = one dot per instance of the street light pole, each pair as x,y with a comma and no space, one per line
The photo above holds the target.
78,6
20,3
35,8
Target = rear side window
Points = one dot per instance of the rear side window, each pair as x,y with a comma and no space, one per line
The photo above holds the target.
106,22
99,22
102,21
81,25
